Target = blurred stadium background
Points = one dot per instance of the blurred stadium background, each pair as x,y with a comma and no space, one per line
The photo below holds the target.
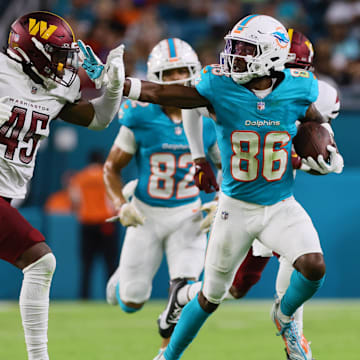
332,201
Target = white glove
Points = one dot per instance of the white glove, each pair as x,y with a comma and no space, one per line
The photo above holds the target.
335,164
5,110
304,167
130,216
115,70
210,208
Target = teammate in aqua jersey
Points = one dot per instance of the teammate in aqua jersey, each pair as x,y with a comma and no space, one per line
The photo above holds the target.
39,83
256,103
163,216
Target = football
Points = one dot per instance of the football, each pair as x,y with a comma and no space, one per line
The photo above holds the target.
311,140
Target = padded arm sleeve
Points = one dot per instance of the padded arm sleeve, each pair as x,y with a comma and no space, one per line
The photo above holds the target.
193,126
125,140
106,107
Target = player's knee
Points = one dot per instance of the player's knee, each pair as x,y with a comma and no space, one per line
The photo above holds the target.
135,292
318,270
205,304
312,266
41,270
129,307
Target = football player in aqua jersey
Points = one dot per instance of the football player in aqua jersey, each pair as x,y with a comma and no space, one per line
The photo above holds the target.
249,273
38,83
256,102
301,56
163,216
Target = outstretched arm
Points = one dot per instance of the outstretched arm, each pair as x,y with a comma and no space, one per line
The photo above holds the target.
97,114
81,113
168,95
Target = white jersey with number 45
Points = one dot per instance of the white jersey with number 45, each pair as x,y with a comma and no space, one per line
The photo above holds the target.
33,107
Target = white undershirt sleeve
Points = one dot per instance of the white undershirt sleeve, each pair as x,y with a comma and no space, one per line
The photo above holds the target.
214,154
193,126
125,140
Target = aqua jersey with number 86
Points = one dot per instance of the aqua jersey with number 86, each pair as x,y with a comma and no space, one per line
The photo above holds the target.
255,134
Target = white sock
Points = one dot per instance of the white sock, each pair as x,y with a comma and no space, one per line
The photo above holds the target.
282,283
188,292
284,318
283,277
298,317
34,305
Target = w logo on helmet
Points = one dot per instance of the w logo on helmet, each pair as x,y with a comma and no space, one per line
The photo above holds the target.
42,26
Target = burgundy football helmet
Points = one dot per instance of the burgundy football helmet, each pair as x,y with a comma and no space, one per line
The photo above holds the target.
45,45
301,53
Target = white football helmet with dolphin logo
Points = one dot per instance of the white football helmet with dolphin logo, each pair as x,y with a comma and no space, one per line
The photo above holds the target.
270,41
169,54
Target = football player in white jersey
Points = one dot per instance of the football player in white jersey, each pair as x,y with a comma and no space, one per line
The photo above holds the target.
163,216
38,83
301,56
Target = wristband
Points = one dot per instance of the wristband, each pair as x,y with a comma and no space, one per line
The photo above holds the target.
135,88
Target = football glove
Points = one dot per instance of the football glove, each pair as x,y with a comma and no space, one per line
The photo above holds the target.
5,110
115,70
130,216
335,164
204,177
210,209
92,65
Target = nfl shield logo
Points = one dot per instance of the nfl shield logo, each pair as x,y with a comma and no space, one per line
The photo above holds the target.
261,106
224,215
178,130
34,90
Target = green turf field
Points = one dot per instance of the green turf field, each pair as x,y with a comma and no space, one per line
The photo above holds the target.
238,330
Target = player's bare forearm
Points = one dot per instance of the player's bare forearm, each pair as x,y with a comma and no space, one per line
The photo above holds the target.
312,114
81,113
115,162
169,95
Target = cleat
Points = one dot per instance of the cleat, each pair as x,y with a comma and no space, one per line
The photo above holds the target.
160,355
170,316
304,343
297,347
111,288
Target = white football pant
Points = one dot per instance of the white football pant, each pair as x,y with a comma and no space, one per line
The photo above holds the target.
284,227
174,231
